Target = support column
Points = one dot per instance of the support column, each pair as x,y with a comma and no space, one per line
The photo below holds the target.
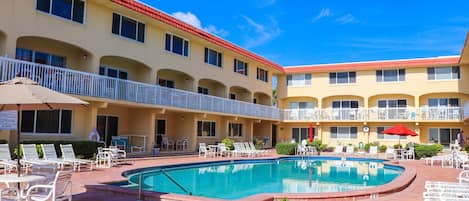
10,46
93,63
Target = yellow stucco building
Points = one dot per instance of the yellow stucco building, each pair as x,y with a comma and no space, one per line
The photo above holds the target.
162,81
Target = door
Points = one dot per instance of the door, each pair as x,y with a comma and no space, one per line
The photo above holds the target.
274,135
160,130
107,127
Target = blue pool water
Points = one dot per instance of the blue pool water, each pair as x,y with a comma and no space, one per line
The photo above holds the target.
238,179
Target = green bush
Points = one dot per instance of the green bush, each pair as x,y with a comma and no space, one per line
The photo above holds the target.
228,143
422,150
286,148
398,146
382,148
259,145
466,148
83,149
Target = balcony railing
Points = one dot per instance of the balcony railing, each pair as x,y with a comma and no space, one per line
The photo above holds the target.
93,85
375,114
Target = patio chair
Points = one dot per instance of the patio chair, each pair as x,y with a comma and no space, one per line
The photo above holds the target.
103,158
59,189
50,155
182,144
408,154
9,194
202,149
373,151
68,154
390,151
222,150
48,171
463,176
338,149
349,149
5,159
165,142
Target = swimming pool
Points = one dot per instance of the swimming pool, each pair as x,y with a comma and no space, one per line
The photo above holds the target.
238,179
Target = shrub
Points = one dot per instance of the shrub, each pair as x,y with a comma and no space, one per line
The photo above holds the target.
398,146
83,149
466,148
367,146
382,148
422,150
2,141
286,148
228,143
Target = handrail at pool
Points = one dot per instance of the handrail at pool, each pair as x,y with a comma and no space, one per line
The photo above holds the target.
175,182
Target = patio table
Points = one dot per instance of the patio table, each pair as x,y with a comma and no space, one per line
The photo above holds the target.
15,179
398,153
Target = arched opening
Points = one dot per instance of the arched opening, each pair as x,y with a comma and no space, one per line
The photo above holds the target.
240,93
211,87
53,52
124,68
262,98
175,79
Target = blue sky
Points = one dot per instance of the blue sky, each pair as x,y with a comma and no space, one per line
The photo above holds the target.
294,32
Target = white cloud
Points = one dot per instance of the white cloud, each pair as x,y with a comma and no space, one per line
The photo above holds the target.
259,33
193,20
346,19
325,12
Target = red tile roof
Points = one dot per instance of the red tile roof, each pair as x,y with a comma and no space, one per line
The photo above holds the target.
404,63
178,24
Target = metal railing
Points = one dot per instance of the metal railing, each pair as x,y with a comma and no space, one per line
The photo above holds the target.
93,85
373,114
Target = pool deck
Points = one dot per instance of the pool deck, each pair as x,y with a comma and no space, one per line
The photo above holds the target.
96,177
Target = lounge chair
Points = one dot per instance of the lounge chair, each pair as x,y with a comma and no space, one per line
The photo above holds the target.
31,157
253,147
59,189
373,151
5,159
68,154
50,155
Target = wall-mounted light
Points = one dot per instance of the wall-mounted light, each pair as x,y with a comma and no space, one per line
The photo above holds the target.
182,117
85,57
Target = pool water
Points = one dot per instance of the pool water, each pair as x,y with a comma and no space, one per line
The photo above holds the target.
238,179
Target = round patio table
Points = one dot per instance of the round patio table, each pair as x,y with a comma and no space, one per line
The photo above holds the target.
14,178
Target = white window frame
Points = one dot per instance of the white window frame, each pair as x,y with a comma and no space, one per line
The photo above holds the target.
136,29
49,57
208,57
343,100
398,75
439,131
264,73
301,82
116,69
435,74
298,103
392,99
230,134
443,106
207,121
349,132
183,40
34,133
244,66
63,18
348,78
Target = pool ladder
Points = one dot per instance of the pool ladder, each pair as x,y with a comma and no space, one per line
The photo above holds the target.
140,182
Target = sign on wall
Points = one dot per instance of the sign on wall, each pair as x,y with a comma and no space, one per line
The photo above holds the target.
8,120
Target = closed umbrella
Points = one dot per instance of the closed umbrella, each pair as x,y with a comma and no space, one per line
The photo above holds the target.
311,136
399,130
24,94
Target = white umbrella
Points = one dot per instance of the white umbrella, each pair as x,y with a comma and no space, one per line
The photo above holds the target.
24,94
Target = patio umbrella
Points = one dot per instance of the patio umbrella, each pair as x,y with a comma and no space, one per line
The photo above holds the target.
24,94
400,130
311,136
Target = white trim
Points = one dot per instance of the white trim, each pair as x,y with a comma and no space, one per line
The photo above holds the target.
393,69
171,44
439,128
63,18
450,79
228,128
136,27
210,121
348,78
208,57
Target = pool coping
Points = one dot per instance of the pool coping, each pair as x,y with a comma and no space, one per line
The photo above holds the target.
401,182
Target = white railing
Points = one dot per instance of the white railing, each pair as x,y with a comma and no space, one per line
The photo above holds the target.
466,110
374,114
93,85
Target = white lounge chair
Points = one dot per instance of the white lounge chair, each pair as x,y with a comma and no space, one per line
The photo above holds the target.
59,189
390,151
373,151
68,154
5,159
50,155
260,152
31,157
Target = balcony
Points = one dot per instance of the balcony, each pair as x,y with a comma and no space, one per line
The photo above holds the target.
93,85
375,114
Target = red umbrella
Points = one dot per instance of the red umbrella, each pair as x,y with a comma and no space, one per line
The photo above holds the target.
400,130
311,137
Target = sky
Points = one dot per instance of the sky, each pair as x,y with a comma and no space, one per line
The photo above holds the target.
302,32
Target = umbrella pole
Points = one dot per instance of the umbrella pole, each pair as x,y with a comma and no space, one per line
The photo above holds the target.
18,167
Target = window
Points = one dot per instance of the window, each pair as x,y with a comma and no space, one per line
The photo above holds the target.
127,27
342,77
392,103
392,109
202,90
40,57
380,129
166,83
344,132
443,102
262,75
299,134
113,72
73,10
240,67
206,128
47,121
443,73
301,105
396,75
232,96
235,130
346,104
177,45
299,80
213,57
444,136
